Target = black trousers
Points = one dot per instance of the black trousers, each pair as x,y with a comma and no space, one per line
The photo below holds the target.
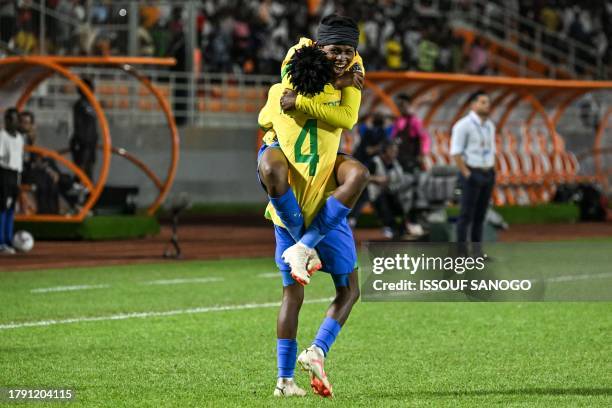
9,188
389,208
84,156
475,196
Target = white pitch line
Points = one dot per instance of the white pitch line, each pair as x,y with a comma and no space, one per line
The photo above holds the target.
269,275
179,281
571,278
124,316
68,288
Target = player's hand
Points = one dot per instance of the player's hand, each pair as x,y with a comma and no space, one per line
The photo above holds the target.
288,100
350,78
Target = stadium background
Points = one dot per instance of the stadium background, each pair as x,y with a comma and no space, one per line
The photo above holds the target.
227,55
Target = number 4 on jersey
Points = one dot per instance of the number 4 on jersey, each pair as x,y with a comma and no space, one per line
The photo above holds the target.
310,128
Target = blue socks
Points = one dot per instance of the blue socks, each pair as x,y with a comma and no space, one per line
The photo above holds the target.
286,355
9,216
328,331
329,216
2,223
290,213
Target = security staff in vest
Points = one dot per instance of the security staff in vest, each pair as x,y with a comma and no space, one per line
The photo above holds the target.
472,147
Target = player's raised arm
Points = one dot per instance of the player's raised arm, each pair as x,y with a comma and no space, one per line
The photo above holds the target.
343,116
337,38
308,71
270,109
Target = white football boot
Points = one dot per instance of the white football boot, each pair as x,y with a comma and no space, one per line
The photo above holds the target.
286,387
313,360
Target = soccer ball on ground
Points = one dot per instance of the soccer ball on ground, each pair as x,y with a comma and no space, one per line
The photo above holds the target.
23,241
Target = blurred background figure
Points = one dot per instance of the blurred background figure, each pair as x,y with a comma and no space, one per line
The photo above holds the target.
372,134
11,165
414,144
84,141
473,148
390,189
41,173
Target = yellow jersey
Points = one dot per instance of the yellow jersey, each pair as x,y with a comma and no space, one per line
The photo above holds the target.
309,136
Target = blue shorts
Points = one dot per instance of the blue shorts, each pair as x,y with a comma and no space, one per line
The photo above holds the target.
337,252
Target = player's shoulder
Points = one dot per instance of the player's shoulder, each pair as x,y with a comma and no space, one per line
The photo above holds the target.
276,90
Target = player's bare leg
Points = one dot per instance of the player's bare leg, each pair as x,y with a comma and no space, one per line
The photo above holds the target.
274,172
287,322
313,358
346,297
286,333
352,178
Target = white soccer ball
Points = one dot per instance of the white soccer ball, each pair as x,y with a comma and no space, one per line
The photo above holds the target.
23,241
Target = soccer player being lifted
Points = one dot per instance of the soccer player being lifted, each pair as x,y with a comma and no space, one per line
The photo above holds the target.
312,187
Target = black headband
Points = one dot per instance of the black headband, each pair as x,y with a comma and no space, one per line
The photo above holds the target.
337,35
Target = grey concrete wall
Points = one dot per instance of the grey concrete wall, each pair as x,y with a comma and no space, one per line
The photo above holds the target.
216,165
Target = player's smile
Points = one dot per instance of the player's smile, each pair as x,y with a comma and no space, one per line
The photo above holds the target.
341,55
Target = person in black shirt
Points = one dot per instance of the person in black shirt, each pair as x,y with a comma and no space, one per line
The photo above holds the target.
84,141
40,172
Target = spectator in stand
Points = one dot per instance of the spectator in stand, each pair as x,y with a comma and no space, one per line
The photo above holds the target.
178,50
478,59
145,42
25,40
239,36
457,54
445,59
414,144
161,37
428,53
149,15
393,49
8,17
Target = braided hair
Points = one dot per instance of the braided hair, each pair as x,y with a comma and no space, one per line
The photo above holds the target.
309,70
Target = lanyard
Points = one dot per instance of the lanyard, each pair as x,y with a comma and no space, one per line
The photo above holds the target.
484,142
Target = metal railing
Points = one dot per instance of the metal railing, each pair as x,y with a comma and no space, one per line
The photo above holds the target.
531,38
525,36
196,99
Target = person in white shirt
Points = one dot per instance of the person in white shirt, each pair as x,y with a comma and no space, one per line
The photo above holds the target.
472,147
11,165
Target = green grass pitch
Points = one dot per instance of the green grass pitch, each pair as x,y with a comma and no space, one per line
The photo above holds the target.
193,352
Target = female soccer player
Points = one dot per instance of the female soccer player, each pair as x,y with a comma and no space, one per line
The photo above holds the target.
312,191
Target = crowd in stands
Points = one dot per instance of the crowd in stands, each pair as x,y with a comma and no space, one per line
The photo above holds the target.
587,22
252,36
